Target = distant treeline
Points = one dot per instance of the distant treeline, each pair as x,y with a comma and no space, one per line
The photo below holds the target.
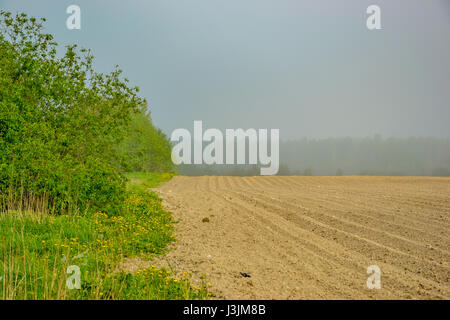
349,156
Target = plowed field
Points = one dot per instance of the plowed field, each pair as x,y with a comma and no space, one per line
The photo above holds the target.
312,237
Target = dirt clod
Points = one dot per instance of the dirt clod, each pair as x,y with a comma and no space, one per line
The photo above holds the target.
246,275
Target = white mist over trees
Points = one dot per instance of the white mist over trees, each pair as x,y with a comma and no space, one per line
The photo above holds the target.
350,156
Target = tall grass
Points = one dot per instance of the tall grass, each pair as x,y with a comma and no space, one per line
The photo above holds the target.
37,248
21,200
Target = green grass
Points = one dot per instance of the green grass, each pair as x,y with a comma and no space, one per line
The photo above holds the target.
147,180
36,249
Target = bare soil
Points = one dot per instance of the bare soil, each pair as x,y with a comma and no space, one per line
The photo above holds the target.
312,237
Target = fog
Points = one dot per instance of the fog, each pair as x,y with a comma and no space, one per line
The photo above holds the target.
311,69
349,156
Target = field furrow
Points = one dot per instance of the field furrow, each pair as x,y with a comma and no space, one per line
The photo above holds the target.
312,237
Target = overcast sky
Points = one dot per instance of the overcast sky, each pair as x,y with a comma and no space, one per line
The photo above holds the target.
308,67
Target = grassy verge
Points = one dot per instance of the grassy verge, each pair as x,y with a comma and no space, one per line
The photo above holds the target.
42,256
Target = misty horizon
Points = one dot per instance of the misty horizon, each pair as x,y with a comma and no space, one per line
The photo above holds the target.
309,69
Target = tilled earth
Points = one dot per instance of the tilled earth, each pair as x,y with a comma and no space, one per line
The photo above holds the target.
312,237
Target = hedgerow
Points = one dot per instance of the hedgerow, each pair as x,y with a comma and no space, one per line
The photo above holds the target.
62,123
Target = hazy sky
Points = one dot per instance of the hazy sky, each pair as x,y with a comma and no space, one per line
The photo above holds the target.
308,67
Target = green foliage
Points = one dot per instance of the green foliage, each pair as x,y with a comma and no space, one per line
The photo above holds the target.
145,147
62,124
147,180
67,134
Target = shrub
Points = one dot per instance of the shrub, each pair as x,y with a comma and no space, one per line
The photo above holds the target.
60,121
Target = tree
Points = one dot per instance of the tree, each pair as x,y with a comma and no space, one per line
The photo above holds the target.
60,121
145,147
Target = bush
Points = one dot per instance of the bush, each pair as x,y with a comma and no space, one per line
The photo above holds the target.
145,148
60,121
